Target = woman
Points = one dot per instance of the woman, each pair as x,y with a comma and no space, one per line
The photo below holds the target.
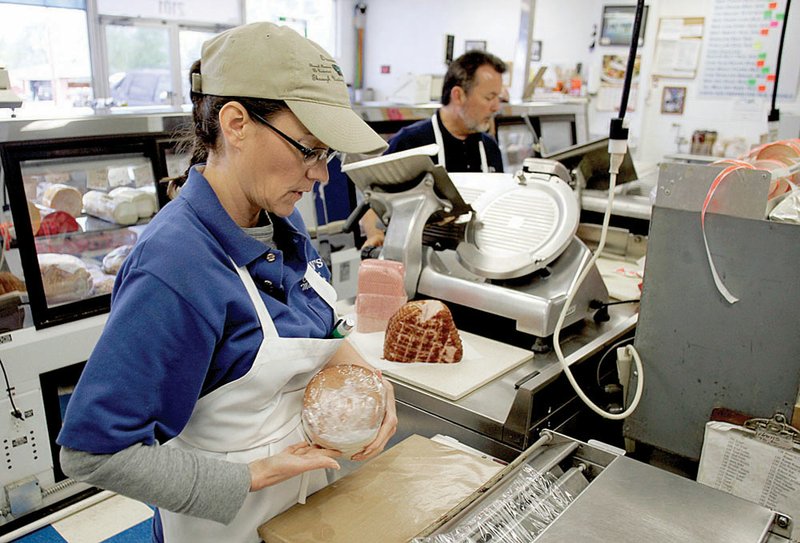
221,313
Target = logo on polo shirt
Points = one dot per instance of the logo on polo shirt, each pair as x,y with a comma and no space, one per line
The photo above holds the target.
305,285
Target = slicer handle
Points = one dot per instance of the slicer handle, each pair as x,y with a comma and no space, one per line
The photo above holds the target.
352,220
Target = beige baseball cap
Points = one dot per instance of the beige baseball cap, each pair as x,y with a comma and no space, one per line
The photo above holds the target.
264,60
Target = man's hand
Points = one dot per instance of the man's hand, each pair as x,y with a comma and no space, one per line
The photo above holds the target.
374,235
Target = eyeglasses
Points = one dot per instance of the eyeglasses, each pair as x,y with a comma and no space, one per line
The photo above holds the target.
311,156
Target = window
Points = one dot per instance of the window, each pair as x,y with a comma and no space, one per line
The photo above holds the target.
191,43
46,52
128,53
138,65
310,18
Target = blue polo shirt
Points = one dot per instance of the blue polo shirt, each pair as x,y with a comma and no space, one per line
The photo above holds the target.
182,324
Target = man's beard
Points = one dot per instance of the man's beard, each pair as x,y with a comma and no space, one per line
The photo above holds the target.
473,126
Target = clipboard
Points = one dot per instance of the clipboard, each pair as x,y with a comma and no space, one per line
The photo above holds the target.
759,461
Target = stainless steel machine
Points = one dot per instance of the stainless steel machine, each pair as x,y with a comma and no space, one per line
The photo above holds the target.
710,353
512,246
561,489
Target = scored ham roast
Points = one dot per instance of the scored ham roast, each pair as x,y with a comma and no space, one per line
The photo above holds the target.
422,331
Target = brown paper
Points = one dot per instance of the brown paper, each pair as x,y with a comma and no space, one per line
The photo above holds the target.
390,499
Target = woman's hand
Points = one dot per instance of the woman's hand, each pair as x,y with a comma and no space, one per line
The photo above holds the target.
387,429
292,461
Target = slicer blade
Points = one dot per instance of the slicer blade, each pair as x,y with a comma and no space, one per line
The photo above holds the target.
520,230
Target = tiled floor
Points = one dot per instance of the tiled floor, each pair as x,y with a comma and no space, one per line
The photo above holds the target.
115,520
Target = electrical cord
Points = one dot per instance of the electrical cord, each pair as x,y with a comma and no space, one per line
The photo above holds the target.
16,413
617,147
611,349
617,150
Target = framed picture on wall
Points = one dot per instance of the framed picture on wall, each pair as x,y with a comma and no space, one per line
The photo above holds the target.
617,26
673,100
475,45
536,50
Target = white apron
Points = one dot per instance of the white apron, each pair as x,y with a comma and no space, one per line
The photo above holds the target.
256,416
437,134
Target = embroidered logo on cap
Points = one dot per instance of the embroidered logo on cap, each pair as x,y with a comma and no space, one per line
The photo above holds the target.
323,71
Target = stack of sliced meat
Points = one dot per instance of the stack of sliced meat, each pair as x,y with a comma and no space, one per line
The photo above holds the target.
422,331
381,292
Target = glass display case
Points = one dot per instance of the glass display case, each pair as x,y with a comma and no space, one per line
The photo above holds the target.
78,206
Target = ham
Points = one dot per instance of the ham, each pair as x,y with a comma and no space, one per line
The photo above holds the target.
63,198
381,292
422,331
343,407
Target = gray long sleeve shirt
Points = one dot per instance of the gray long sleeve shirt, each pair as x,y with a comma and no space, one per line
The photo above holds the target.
199,486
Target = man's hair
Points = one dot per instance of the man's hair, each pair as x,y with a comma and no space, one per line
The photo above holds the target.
461,72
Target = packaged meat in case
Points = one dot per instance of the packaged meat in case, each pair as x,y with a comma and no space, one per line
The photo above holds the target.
381,292
102,283
66,278
63,198
113,260
145,202
78,204
101,205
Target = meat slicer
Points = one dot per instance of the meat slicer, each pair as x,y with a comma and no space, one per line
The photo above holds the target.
503,244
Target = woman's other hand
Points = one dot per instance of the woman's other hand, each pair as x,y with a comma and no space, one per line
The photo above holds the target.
292,461
387,429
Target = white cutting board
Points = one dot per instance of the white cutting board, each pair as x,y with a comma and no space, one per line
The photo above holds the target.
484,359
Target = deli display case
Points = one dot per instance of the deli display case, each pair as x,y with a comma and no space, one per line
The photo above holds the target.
78,206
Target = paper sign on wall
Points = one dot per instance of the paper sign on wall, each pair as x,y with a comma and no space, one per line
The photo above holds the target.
742,50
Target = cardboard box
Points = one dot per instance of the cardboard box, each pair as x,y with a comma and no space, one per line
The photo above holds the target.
392,498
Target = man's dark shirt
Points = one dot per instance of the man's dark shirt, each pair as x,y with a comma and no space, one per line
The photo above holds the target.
460,155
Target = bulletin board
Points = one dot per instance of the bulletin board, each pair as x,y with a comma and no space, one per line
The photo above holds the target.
742,50
678,46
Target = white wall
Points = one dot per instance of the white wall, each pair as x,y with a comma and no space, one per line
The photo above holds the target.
409,36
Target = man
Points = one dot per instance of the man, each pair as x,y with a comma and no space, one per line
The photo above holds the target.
471,96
